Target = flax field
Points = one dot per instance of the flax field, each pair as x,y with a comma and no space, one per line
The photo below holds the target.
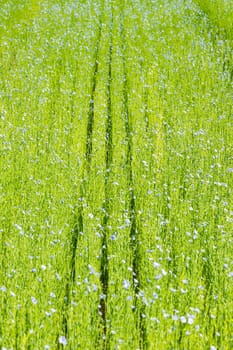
116,174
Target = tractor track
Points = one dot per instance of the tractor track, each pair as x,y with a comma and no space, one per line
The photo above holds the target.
104,268
134,227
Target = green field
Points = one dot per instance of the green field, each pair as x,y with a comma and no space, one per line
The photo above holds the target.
116,174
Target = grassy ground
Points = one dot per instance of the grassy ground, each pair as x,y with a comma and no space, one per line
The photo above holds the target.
116,175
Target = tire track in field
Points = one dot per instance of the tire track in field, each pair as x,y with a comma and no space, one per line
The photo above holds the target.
90,121
75,235
104,266
78,216
134,228
146,108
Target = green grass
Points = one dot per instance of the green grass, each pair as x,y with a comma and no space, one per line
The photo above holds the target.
116,175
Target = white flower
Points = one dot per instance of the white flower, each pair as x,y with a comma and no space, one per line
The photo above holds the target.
58,277
175,317
156,264
34,301
164,272
126,284
183,319
158,277
18,227
62,340
190,319
127,222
